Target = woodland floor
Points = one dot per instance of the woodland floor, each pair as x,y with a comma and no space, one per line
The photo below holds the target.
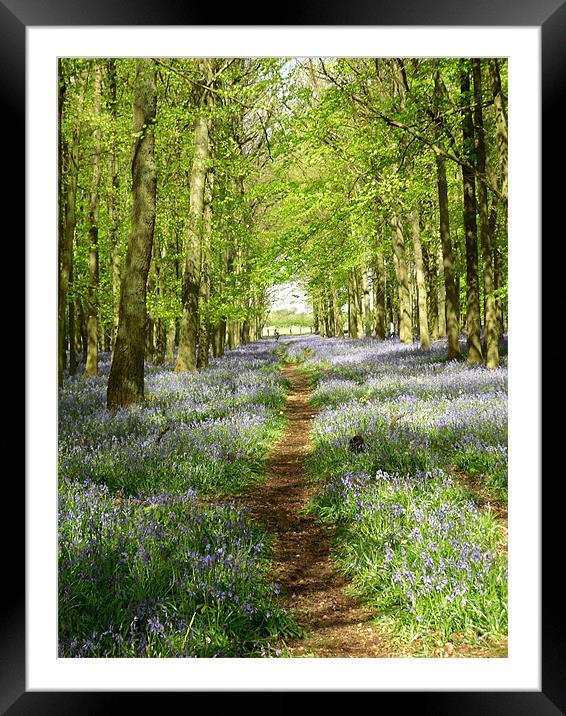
336,624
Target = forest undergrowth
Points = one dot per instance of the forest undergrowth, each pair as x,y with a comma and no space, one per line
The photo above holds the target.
156,559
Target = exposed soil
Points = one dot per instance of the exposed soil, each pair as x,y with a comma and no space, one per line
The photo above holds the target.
336,624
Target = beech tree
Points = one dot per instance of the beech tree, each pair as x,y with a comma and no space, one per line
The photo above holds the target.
126,380
188,334
380,183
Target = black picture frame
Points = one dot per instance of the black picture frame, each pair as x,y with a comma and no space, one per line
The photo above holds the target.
550,16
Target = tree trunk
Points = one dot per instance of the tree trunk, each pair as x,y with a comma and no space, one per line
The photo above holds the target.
338,324
441,295
451,293
358,297
113,217
69,160
473,315
72,335
379,296
91,367
126,380
491,334
351,322
421,280
452,298
204,291
501,136
187,353
431,273
170,342
402,273
366,302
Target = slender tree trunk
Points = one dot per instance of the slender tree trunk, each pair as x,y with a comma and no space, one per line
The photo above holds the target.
491,333
63,270
352,323
204,292
421,279
160,342
70,158
498,283
338,324
451,294
405,313
126,379
441,294
171,334
218,339
429,258
366,302
82,328
473,314
315,317
91,367
452,297
501,135
72,334
113,198
187,353
358,298
379,296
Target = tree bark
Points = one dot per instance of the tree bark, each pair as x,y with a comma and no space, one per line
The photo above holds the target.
68,172
429,256
402,273
441,293
352,322
91,367
501,135
491,333
452,298
366,302
113,199
126,380
379,296
338,324
204,289
421,280
188,333
451,294
473,313
187,353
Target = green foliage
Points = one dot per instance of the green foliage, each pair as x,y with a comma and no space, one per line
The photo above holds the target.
309,158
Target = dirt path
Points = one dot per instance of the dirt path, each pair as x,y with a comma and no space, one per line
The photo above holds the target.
336,625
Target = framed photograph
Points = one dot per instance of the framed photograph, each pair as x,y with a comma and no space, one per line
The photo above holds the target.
531,678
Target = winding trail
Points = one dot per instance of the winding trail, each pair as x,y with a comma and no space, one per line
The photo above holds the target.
336,625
